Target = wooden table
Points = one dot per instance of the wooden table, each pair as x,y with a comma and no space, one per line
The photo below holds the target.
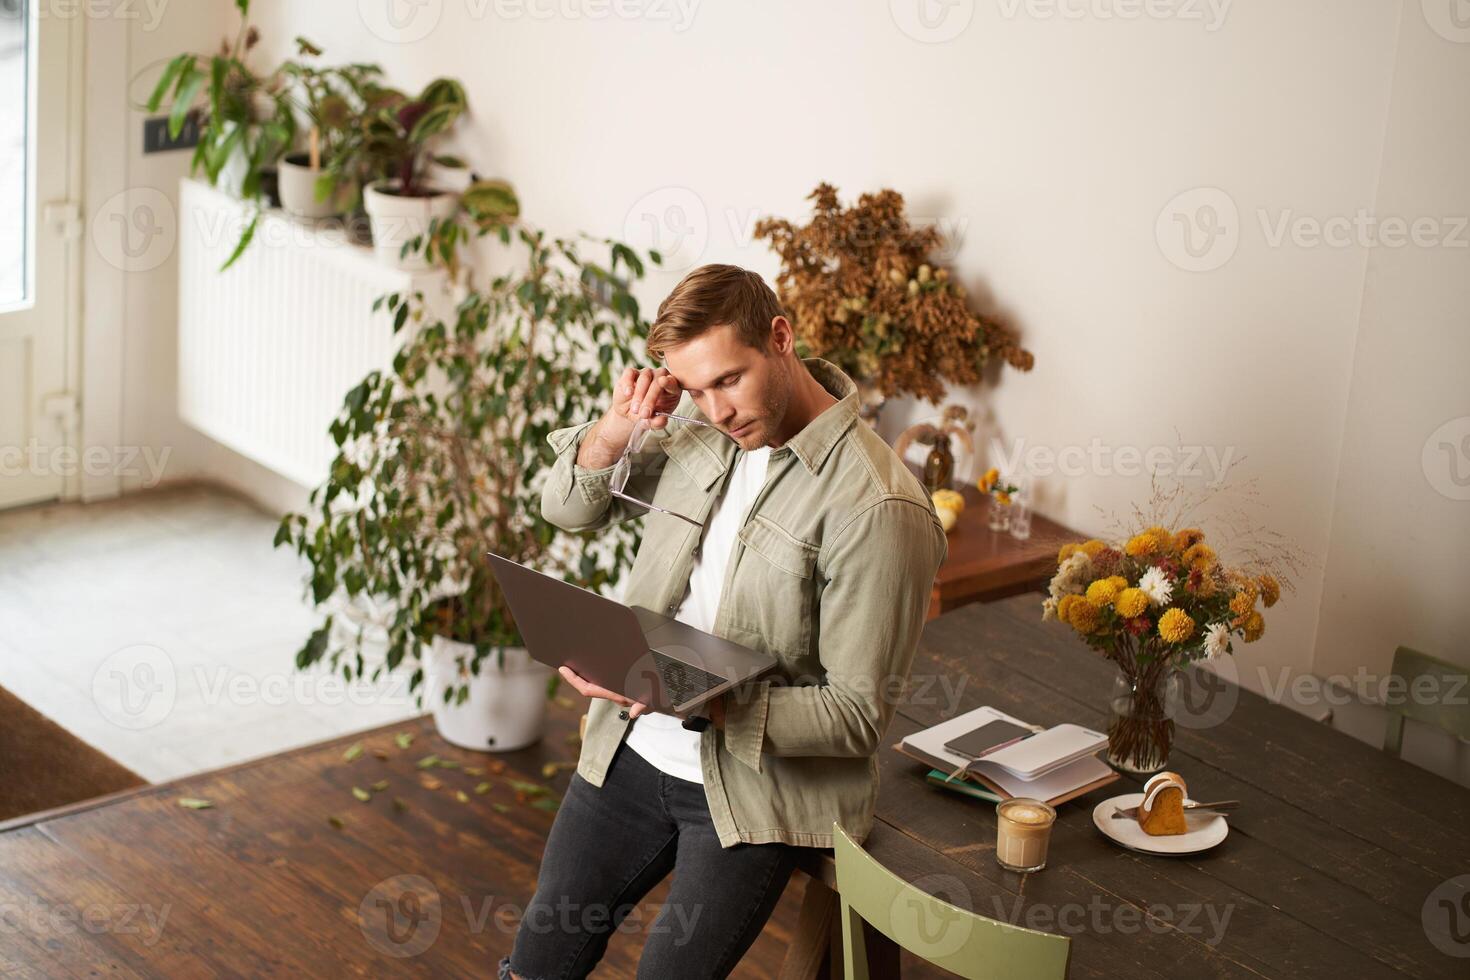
1327,871
985,565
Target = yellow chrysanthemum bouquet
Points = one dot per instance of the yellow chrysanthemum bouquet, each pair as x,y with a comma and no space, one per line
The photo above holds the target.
1156,602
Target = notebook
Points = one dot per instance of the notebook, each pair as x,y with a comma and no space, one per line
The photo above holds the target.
1054,765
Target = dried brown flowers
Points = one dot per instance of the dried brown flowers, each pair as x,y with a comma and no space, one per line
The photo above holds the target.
863,293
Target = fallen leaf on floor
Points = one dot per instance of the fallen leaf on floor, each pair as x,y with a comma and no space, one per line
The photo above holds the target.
193,803
427,762
354,751
530,789
380,785
482,789
500,807
429,782
362,795
399,805
380,754
460,795
403,739
336,821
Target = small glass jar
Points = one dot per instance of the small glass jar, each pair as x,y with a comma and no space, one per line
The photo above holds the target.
999,514
1023,833
1020,518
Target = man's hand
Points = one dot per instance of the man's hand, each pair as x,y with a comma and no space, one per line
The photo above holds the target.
637,396
590,690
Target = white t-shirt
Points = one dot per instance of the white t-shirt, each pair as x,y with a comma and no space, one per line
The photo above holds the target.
661,738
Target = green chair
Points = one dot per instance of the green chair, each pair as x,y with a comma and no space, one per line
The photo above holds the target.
1449,711
950,937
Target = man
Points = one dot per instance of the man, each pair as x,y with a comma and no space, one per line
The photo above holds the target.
818,546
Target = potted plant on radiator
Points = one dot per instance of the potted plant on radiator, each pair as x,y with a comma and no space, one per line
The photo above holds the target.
394,145
333,101
245,118
442,459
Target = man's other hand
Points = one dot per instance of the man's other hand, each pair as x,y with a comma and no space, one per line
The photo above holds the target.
590,690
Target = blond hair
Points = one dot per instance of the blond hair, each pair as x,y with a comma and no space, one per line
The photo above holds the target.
711,296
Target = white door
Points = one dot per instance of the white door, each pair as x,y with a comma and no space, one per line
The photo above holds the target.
38,225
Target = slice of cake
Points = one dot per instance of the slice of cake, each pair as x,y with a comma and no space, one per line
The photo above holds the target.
1162,811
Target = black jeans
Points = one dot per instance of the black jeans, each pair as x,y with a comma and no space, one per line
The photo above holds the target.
610,846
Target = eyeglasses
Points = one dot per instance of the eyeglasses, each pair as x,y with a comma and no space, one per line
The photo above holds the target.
623,468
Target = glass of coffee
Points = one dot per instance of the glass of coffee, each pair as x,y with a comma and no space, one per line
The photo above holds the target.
1022,833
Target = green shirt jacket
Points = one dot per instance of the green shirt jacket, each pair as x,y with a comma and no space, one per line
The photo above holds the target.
831,573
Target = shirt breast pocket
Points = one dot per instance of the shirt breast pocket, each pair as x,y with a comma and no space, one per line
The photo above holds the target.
774,588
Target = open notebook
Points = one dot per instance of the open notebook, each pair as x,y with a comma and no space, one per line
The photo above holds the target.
1070,768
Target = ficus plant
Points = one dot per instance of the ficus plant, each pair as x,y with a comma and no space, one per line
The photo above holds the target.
443,458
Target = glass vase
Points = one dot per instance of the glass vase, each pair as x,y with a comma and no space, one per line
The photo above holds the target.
999,515
1141,727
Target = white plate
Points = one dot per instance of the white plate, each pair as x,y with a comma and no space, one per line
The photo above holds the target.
1205,831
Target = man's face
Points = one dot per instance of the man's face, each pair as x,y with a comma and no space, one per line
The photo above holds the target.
742,390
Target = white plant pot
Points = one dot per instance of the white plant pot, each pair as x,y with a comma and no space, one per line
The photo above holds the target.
455,179
298,190
506,707
396,220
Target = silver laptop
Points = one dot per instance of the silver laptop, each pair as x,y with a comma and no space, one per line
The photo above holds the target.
668,665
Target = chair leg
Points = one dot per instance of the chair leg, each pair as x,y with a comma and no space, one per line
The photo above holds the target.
1393,735
810,953
854,944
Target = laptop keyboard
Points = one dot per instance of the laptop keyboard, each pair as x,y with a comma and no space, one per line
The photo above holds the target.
683,681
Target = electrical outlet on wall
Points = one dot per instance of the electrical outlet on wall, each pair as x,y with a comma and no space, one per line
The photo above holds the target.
157,140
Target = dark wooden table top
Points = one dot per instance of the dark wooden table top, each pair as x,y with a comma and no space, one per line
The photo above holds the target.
1329,870
984,565
1338,864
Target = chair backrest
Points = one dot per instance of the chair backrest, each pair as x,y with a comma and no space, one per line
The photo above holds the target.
950,937
1441,697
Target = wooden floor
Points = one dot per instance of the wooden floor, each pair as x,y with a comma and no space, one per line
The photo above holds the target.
263,882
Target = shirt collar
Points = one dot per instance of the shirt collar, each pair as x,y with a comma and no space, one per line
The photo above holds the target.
813,444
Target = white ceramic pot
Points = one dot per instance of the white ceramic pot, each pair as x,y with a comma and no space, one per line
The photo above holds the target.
397,219
506,707
456,179
298,189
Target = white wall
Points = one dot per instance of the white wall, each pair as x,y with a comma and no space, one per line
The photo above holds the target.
1053,144
1399,562
1056,146
130,345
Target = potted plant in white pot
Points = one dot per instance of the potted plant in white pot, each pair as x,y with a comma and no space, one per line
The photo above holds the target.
395,141
441,460
245,119
333,101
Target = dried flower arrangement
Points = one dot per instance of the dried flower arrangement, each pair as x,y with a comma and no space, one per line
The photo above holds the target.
863,293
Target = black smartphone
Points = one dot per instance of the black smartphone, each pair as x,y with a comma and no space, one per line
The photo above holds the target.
986,739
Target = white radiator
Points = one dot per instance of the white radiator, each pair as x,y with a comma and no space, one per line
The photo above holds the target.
269,347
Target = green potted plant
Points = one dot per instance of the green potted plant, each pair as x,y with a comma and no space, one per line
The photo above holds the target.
246,119
394,146
333,100
442,459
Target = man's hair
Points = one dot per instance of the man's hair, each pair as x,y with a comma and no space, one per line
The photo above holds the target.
712,296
